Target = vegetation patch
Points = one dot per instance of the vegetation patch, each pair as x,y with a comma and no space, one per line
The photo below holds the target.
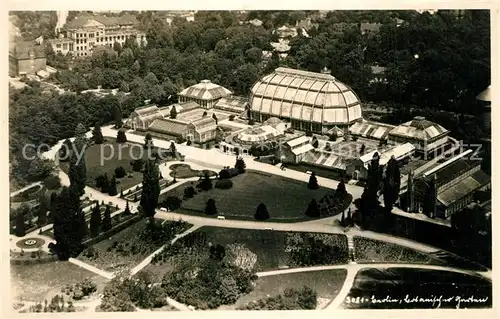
185,171
130,246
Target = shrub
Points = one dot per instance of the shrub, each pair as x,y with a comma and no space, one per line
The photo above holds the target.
52,182
120,172
189,142
309,133
231,117
224,184
189,192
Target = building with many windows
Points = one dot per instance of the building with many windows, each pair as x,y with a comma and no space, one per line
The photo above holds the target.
86,32
448,187
428,138
311,101
205,93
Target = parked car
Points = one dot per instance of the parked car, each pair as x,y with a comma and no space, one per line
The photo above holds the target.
221,217
163,209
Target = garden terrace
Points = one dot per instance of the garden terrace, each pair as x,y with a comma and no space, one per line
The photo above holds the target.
374,251
286,199
38,281
257,250
326,283
131,245
112,155
28,194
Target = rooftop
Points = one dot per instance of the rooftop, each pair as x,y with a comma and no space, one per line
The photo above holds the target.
371,129
419,128
26,50
168,126
468,185
205,90
298,141
84,19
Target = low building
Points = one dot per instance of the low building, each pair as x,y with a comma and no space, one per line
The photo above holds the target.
286,32
294,151
428,138
169,129
205,93
141,118
62,45
357,169
202,131
26,58
448,187
371,130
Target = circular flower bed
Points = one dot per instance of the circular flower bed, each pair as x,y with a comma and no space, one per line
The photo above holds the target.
30,243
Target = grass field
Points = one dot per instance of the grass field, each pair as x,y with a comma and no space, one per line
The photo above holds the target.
40,281
105,158
326,283
286,199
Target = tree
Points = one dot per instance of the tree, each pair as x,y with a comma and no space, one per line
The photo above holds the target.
150,189
83,228
313,182
40,169
189,192
313,209
261,213
341,190
172,149
204,114
120,172
106,221
95,221
127,209
112,191
97,134
137,164
369,199
67,227
105,184
315,142
148,141
206,182
392,184
20,227
240,165
173,112
77,168
210,208
217,252
121,137
362,149
117,115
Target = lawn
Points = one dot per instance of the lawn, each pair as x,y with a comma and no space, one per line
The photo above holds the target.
125,249
35,282
373,251
286,199
105,158
326,283
185,171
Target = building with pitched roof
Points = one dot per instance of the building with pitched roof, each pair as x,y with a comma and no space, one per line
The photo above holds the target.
371,130
294,151
448,187
141,118
233,104
205,93
26,58
168,129
202,131
310,101
88,31
428,137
